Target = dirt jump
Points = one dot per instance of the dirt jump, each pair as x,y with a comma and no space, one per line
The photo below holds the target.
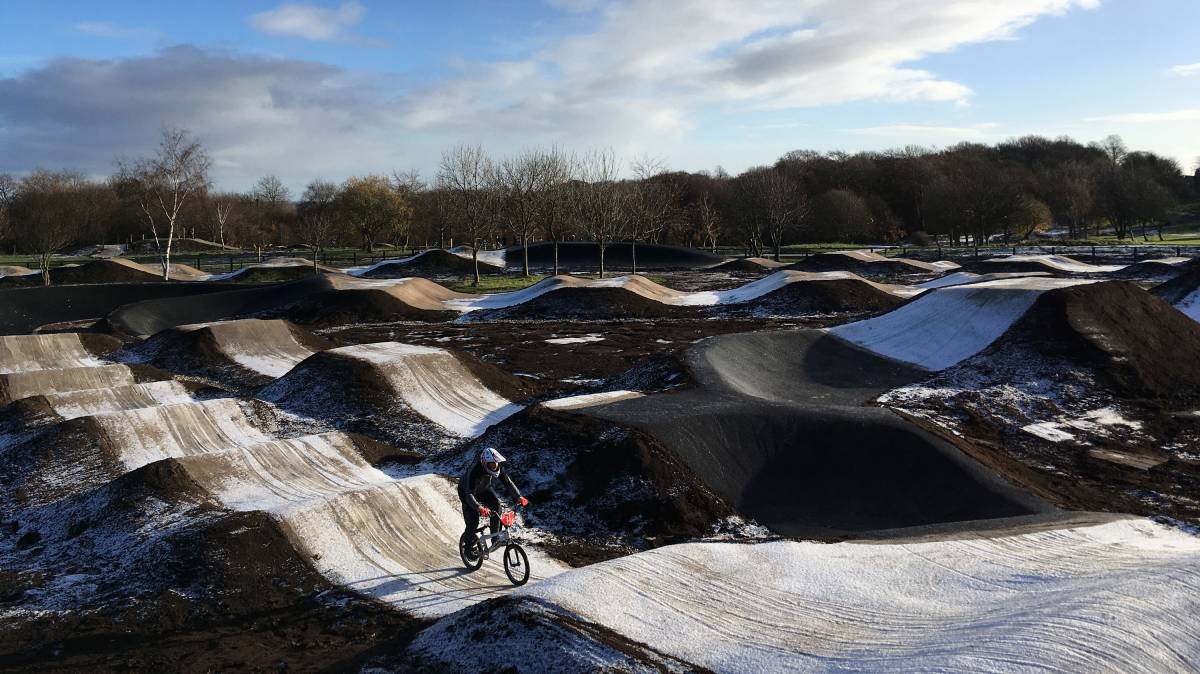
1060,265
251,351
867,262
426,263
750,265
438,397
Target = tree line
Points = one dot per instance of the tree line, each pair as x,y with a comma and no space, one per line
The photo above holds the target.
967,194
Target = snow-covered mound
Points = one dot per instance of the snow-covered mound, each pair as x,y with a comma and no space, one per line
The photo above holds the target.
109,270
140,436
868,261
1108,597
748,264
1047,263
273,269
589,400
86,402
14,270
434,262
248,348
413,390
17,385
946,325
964,277
637,296
23,353
1183,291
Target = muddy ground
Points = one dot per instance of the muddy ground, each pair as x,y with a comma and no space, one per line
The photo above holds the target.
520,348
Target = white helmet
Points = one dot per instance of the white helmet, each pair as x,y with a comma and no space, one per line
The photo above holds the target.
489,455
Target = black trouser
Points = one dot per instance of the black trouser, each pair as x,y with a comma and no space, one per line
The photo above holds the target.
471,513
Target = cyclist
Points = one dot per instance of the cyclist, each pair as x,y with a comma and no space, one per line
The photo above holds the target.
478,494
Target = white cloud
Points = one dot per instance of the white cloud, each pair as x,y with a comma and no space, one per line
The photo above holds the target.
1186,115
310,22
620,82
926,131
1185,70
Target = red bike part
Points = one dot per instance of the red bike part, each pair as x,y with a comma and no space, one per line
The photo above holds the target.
508,518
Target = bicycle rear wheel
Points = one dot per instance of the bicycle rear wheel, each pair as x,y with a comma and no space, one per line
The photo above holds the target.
470,549
516,564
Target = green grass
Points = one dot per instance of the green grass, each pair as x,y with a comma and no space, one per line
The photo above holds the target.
492,284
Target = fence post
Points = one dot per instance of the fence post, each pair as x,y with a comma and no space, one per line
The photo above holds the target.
1014,249
1093,253
231,262
354,258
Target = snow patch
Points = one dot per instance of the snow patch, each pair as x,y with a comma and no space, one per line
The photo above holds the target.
590,337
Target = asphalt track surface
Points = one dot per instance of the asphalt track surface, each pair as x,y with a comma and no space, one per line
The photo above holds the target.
23,310
777,425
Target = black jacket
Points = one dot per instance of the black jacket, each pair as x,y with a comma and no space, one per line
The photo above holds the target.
476,481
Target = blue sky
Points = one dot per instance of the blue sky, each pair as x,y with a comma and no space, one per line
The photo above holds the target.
334,89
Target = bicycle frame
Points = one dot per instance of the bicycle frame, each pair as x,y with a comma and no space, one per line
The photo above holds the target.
498,539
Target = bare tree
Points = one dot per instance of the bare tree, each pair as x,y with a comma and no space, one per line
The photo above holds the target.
165,183
521,183
466,176
273,208
555,201
8,192
597,200
651,201
316,215
222,207
46,213
708,221
787,207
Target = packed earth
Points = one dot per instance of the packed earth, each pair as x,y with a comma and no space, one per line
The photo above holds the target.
852,462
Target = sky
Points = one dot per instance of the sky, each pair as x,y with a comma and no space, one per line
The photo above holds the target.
334,89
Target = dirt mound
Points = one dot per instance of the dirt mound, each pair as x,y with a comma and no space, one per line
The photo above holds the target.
17,385
275,270
429,263
585,303
113,270
1163,268
1054,264
1180,287
1144,347
182,246
944,326
830,296
249,351
357,306
22,353
23,310
154,315
749,264
153,575
863,261
417,398
585,256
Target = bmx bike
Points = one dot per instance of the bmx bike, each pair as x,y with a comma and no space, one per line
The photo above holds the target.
474,548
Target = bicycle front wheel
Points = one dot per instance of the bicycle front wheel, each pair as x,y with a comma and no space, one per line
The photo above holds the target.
470,549
516,564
